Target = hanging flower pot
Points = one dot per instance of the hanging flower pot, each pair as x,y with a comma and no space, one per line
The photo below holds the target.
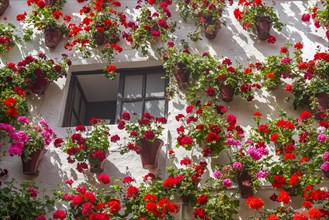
150,153
291,191
39,86
325,173
211,28
227,92
52,37
185,200
99,38
50,2
245,189
323,104
96,166
3,6
182,77
30,167
263,27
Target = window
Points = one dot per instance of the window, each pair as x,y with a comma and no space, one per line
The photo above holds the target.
134,90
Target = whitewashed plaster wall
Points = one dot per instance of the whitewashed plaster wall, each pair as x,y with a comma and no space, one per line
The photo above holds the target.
232,41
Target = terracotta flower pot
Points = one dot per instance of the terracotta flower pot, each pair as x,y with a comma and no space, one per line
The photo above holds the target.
50,2
39,86
323,104
150,153
211,33
96,166
291,191
99,38
273,87
4,6
227,92
325,173
263,27
245,191
52,37
30,167
185,200
182,77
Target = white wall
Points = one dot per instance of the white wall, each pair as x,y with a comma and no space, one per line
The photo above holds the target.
232,41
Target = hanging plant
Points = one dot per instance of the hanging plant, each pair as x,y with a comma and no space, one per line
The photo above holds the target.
207,15
8,38
49,19
151,28
99,29
320,16
257,17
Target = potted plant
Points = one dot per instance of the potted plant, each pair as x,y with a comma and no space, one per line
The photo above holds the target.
12,105
278,67
149,202
99,29
186,181
220,80
92,199
182,65
8,38
3,6
310,84
143,137
319,15
29,142
90,145
150,28
24,201
208,12
39,71
295,157
257,17
50,20
207,127
215,206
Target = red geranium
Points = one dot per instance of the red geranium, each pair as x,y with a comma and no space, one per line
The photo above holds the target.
255,203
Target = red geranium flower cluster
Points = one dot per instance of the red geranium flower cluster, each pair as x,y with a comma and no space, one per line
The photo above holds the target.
148,128
255,203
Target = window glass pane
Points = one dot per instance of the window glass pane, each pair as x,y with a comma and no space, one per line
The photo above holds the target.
155,107
82,114
74,120
132,107
77,97
155,86
133,86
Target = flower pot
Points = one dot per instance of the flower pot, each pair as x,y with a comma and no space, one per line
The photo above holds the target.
52,37
99,38
291,191
273,87
150,153
4,6
39,86
50,2
96,166
245,191
182,77
322,105
211,28
263,26
325,173
30,167
185,200
227,92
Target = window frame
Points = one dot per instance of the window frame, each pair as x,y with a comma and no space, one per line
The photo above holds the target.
144,71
